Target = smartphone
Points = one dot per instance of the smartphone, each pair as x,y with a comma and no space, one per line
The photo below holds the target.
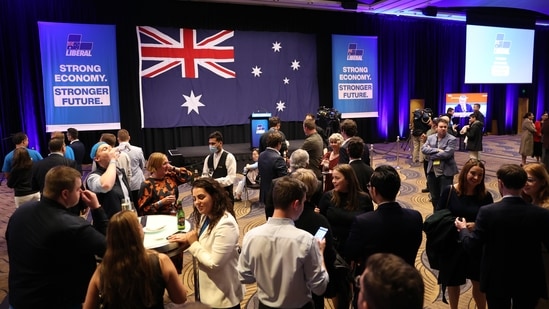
321,232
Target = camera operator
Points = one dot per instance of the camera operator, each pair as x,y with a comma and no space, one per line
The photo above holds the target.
319,130
328,120
420,125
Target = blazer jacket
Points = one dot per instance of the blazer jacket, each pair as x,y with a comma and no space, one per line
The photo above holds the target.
390,228
431,151
40,168
271,166
217,254
510,233
363,173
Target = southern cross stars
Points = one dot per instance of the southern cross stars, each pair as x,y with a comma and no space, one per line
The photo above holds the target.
276,46
280,106
295,65
256,71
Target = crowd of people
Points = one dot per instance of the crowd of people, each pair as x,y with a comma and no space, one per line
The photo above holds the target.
70,228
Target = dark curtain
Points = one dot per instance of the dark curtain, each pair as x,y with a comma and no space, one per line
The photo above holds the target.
418,59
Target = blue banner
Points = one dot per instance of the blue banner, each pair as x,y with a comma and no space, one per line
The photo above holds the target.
193,77
355,76
80,78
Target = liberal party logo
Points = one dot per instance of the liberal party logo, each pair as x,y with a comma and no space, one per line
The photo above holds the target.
353,53
77,48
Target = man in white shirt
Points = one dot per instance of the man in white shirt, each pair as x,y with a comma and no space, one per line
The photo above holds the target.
137,162
220,164
284,261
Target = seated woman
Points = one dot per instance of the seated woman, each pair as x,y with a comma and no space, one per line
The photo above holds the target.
160,191
130,276
250,172
214,244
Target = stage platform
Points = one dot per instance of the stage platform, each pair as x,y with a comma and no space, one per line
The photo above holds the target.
193,157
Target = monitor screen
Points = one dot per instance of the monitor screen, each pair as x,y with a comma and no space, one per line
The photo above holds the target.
498,55
259,124
462,103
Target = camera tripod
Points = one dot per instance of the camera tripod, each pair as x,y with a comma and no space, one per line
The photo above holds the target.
407,144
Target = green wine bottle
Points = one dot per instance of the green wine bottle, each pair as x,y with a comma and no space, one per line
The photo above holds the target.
180,216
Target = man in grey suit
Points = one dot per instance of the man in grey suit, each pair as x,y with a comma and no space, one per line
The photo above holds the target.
510,233
271,165
439,151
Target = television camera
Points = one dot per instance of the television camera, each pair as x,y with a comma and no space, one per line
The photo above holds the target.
328,119
423,115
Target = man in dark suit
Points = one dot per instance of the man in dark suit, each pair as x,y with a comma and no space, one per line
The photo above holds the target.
510,234
274,125
349,129
271,166
77,147
390,228
363,171
56,157
463,106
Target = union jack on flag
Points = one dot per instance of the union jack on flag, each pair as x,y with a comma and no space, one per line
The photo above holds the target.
187,52
196,77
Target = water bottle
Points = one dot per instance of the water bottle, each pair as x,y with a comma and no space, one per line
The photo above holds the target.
180,216
125,204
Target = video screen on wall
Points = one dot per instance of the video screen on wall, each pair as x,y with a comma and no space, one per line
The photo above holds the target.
496,55
462,103
499,47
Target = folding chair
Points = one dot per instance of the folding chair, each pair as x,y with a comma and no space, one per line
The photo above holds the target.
250,186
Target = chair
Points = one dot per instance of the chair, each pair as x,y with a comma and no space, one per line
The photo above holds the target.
250,186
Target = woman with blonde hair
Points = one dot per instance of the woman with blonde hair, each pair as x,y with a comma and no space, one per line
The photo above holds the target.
536,191
331,159
130,276
160,191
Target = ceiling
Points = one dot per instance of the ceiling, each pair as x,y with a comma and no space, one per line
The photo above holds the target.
443,9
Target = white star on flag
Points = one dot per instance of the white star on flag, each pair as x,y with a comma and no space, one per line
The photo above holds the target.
277,46
256,71
280,106
295,65
192,103
286,81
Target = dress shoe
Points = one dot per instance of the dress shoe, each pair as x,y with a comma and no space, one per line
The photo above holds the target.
425,190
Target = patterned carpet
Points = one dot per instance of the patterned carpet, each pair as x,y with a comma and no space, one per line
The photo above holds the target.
498,149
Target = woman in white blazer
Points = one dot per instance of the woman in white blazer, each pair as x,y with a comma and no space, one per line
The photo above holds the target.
214,243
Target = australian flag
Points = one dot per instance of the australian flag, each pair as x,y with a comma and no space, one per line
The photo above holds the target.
193,77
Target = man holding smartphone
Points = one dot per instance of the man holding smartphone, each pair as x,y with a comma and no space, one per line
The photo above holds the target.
297,267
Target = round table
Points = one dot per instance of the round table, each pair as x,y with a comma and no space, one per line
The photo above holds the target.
157,228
